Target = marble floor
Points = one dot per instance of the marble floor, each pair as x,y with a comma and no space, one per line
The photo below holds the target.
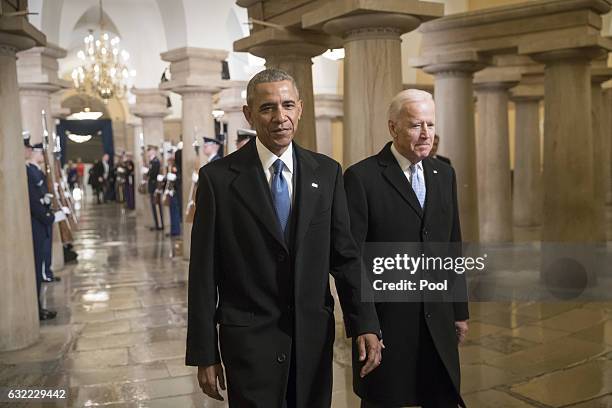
118,340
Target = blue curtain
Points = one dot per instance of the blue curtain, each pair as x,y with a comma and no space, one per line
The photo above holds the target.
96,128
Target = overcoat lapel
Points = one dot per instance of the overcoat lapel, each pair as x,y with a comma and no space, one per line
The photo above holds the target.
307,192
394,175
250,185
432,184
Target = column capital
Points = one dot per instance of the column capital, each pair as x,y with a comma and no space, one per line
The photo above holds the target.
272,42
599,75
372,19
150,102
451,64
233,98
585,48
40,65
527,93
496,78
329,106
191,66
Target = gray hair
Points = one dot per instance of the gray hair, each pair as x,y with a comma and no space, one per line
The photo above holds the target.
268,75
404,97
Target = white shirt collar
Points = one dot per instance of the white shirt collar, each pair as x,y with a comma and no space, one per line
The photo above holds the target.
268,158
403,162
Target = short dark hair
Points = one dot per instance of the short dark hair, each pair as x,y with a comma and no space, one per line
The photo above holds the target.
268,75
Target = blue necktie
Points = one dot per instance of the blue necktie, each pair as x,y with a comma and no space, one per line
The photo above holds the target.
280,194
417,184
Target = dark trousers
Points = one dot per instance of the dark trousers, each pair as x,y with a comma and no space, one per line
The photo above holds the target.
175,216
47,273
436,390
158,212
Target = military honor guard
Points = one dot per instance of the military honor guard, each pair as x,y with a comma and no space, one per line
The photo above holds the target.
42,220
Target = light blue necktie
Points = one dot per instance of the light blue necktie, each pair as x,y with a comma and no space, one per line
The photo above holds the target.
417,184
280,194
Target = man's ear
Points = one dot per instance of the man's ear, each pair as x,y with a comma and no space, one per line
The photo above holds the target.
301,105
392,129
247,114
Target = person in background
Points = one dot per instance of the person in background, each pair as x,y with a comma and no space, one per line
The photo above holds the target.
42,219
211,149
434,151
94,176
153,172
72,175
80,168
243,136
129,181
175,209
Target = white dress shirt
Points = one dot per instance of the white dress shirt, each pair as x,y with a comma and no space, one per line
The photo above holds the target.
268,158
405,164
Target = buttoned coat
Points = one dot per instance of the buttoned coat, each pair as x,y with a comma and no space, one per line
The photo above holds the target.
384,208
271,298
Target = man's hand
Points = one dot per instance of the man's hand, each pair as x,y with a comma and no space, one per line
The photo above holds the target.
369,347
207,377
461,328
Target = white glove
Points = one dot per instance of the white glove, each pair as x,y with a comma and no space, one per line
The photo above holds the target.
47,198
144,170
194,177
160,177
66,210
59,216
171,176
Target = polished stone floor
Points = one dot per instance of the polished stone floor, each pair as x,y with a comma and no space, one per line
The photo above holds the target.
119,337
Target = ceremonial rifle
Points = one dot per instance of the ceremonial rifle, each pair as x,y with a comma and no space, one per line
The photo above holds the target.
64,227
190,210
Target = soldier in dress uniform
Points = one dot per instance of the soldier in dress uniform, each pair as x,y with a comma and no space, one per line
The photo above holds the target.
42,219
211,149
243,136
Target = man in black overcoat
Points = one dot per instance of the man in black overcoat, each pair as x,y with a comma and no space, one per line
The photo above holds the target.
402,195
271,223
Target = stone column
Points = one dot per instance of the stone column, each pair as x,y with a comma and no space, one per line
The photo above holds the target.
372,64
291,51
372,77
38,80
19,326
527,188
231,100
454,96
328,107
571,213
196,76
601,139
151,108
607,92
141,201
493,161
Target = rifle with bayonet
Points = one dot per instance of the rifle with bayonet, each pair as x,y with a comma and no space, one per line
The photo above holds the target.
64,227
61,185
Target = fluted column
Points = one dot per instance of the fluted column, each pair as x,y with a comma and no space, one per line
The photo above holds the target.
37,75
231,101
196,76
527,188
328,107
19,326
454,96
493,162
601,139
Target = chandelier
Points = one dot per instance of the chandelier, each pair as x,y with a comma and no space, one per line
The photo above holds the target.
104,69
